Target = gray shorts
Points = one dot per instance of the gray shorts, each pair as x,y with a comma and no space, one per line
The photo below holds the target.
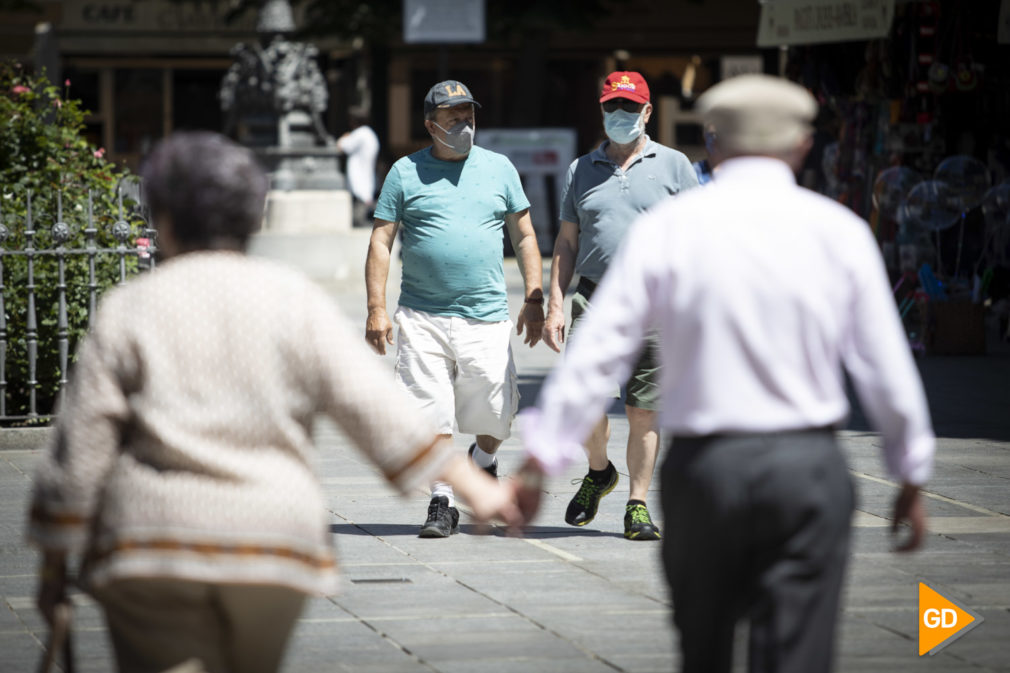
642,387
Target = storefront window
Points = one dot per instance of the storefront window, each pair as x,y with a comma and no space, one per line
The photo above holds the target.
139,105
195,103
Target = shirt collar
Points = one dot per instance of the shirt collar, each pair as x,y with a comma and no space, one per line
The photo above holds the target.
755,169
600,153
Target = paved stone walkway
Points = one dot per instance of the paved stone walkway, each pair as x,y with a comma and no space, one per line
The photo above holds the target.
586,600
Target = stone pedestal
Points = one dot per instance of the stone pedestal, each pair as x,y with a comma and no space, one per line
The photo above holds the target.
301,211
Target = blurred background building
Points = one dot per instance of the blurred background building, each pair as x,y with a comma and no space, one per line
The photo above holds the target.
901,82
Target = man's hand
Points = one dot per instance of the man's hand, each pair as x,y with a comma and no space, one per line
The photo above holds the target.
908,508
378,330
487,497
528,483
531,318
554,329
52,585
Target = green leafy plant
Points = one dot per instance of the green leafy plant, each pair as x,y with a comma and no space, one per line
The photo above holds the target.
44,158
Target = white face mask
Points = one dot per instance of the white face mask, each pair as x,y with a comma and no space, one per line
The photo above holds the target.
459,138
622,127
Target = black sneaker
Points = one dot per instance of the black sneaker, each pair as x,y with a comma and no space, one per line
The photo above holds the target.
638,524
492,469
442,521
582,508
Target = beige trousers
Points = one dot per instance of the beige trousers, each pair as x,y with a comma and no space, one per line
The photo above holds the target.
162,625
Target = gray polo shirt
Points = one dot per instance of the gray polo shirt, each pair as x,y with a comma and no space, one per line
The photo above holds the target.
604,200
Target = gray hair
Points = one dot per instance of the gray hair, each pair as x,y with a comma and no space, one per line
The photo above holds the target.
212,189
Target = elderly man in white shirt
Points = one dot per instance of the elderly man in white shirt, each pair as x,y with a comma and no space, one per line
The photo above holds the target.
763,293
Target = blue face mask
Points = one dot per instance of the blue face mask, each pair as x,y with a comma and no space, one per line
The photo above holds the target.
623,127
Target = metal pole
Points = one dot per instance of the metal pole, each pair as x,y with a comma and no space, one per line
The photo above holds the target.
31,326
61,233
3,317
90,232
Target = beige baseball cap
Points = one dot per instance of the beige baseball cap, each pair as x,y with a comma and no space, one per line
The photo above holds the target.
758,114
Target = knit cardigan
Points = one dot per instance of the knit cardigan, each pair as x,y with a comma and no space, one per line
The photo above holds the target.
183,448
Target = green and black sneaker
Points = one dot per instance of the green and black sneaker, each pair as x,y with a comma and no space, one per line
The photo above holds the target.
582,508
638,524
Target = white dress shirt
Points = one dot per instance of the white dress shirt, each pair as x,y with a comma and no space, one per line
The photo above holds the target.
761,291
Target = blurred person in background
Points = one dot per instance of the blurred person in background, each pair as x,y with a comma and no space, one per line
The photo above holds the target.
361,146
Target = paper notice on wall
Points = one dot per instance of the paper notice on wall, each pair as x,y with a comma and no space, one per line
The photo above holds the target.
787,22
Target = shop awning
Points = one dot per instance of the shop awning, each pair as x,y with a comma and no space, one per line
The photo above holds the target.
788,22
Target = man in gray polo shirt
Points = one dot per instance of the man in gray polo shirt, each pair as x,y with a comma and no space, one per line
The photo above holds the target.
605,191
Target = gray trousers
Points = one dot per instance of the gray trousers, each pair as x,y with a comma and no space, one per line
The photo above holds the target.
757,528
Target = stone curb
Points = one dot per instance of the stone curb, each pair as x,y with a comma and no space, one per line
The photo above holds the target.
24,439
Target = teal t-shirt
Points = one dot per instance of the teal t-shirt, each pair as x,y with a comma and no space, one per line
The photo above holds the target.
452,214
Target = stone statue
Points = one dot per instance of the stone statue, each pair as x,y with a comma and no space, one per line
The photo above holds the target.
273,97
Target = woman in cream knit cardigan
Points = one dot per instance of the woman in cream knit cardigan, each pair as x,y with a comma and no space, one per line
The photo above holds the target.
181,466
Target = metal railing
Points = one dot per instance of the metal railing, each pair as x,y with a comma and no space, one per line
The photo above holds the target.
94,250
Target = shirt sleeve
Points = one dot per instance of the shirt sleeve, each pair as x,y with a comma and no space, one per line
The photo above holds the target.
609,340
568,210
86,438
687,176
351,142
389,207
359,394
515,197
883,372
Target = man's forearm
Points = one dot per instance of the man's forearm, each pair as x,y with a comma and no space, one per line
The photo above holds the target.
530,266
376,273
562,270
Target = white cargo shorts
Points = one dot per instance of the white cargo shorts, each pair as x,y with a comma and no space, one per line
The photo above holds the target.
458,369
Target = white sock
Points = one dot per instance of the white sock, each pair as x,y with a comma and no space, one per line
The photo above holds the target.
483,459
441,488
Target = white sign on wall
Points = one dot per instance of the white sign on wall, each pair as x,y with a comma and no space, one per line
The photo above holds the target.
445,21
785,22
536,154
731,66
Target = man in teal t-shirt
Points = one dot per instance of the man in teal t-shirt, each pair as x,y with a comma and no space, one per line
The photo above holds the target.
452,350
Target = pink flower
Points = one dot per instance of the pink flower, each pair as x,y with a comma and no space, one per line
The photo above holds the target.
19,89
99,153
66,82
57,103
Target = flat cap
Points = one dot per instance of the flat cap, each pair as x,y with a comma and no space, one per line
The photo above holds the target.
758,114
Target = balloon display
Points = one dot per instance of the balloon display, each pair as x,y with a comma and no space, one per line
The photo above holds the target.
890,188
932,206
967,177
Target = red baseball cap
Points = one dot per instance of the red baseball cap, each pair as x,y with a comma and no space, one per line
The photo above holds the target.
621,84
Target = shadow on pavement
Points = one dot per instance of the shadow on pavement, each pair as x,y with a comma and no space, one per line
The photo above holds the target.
566,531
529,390
411,530
375,529
968,396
